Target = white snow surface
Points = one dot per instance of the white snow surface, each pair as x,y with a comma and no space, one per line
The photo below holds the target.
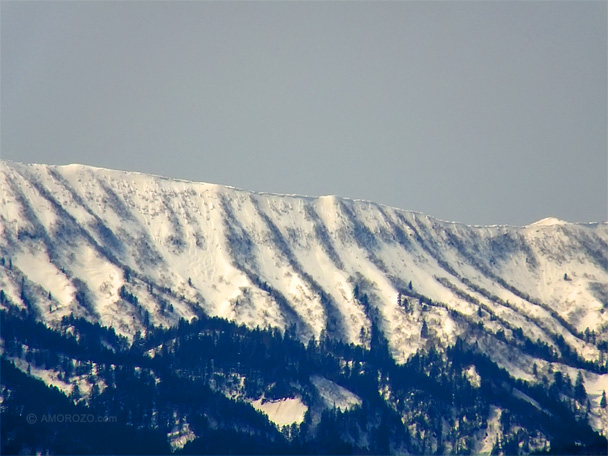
334,395
549,221
487,438
76,235
283,412
180,435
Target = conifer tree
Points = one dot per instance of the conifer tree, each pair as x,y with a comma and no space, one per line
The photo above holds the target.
579,388
424,331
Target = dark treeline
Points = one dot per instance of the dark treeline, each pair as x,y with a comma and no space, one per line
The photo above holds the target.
169,377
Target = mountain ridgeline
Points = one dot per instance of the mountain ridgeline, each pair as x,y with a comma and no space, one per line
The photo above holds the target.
197,318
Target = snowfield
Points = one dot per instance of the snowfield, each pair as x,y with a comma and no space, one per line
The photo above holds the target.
129,250
334,395
282,412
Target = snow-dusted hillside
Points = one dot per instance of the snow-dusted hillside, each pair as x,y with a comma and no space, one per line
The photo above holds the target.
136,252
131,250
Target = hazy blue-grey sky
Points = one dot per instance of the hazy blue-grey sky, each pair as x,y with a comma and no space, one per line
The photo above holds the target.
479,112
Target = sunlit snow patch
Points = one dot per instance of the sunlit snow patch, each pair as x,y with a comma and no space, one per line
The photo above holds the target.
473,377
334,395
549,221
180,435
489,436
282,412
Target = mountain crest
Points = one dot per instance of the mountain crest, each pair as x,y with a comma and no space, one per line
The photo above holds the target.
141,256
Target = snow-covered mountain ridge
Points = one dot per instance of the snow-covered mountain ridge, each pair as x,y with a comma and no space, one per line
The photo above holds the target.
136,252
130,250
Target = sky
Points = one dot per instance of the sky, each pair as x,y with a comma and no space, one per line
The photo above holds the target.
476,112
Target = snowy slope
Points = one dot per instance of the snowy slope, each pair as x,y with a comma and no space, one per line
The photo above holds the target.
131,250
